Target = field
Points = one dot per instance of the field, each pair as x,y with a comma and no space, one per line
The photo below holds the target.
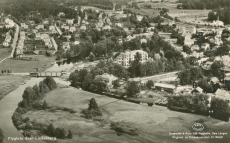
20,66
4,52
9,83
153,124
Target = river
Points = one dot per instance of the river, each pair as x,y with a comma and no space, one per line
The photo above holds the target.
9,104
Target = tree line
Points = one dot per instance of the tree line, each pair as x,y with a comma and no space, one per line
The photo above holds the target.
198,103
202,4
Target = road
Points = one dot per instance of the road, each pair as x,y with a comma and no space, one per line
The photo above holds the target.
156,77
14,43
55,45
9,104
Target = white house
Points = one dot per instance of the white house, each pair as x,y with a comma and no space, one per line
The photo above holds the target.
69,21
197,54
83,27
72,29
51,28
195,48
143,41
106,27
25,26
125,58
61,14
6,44
217,22
205,46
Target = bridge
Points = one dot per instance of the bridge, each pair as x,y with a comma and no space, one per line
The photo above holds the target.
44,74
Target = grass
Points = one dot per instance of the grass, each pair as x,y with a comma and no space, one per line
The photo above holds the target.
20,66
8,83
4,52
153,123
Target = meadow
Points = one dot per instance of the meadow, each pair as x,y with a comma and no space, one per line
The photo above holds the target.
21,66
8,83
153,124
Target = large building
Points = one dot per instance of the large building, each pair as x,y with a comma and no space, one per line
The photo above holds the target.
126,58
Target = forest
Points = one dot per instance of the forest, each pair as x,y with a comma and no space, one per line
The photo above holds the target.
202,4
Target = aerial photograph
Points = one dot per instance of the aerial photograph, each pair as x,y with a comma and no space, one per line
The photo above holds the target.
114,71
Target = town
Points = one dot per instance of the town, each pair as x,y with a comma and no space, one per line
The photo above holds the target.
114,70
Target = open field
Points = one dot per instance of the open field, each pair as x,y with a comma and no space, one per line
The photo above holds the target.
20,66
153,123
4,52
9,83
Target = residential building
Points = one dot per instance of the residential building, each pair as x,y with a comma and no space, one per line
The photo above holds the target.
197,54
66,46
51,28
6,44
205,46
143,41
188,41
217,22
106,27
83,28
72,29
40,26
61,14
69,21
25,26
126,58
195,48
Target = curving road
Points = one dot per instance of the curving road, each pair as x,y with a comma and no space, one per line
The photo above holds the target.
7,107
9,104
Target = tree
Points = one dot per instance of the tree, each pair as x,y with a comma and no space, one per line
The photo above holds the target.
50,82
1,136
45,105
150,84
93,110
180,40
219,105
28,95
221,51
87,81
70,135
50,130
92,104
91,57
37,92
132,89
216,67
186,49
43,87
116,83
